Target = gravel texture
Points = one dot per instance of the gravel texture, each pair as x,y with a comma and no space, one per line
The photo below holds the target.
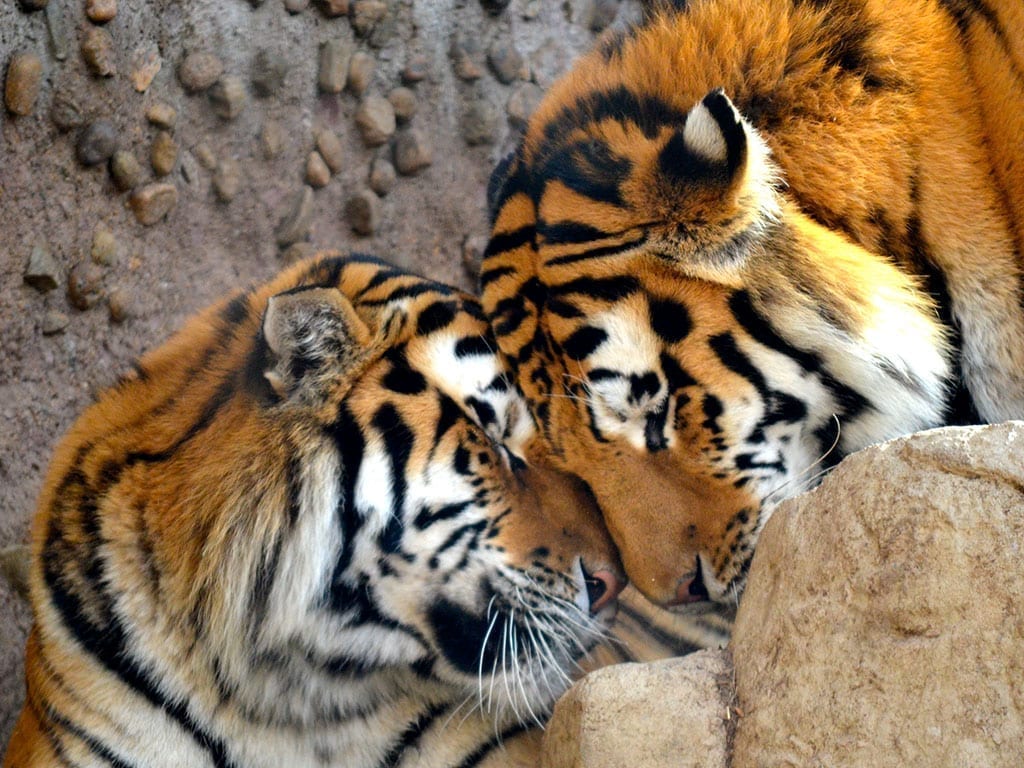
235,206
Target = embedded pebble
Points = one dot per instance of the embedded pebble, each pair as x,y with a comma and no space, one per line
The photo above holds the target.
227,179
416,69
98,51
296,6
85,285
163,154
523,103
413,152
364,15
104,247
363,212
24,73
125,169
360,72
56,29
494,7
329,146
100,11
603,13
121,304
317,172
268,72
227,97
205,156
96,143
480,122
199,70
145,66
295,223
375,119
152,202
332,8
42,271
382,176
298,252
505,61
532,9
64,110
54,322
403,100
271,139
161,115
335,58
463,65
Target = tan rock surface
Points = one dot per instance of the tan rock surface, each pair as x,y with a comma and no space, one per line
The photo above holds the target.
667,714
883,624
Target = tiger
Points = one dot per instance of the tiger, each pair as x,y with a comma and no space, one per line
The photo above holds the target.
305,531
740,240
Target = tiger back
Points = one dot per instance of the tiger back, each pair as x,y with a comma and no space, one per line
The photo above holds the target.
742,240
302,532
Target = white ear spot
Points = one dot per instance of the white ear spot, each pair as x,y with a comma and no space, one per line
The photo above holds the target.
703,136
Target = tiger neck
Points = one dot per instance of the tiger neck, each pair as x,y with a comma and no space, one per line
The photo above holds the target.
868,324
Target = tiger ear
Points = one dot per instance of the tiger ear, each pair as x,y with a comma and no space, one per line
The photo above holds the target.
711,148
316,343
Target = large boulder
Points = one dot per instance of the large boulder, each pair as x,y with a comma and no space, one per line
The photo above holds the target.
882,625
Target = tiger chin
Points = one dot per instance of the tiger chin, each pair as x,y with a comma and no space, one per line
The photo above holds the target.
743,240
301,532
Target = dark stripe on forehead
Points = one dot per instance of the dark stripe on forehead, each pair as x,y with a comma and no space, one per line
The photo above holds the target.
649,113
596,253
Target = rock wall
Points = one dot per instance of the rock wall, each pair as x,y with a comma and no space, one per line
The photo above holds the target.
881,626
156,153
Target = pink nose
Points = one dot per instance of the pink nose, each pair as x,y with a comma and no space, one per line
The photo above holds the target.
602,588
691,589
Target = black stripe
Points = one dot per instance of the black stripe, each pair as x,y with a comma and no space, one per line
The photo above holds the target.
428,516
488,276
678,646
436,317
348,439
509,241
109,645
411,735
596,253
607,289
570,232
496,742
472,346
584,342
648,112
398,443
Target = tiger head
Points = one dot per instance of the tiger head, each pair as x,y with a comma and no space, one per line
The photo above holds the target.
690,344
314,491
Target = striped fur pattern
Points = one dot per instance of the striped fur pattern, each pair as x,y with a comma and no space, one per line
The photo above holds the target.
302,532
744,239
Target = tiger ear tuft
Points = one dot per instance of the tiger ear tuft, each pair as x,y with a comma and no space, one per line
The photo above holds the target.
712,146
315,341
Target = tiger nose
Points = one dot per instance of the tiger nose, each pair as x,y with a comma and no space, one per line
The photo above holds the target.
691,589
603,587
